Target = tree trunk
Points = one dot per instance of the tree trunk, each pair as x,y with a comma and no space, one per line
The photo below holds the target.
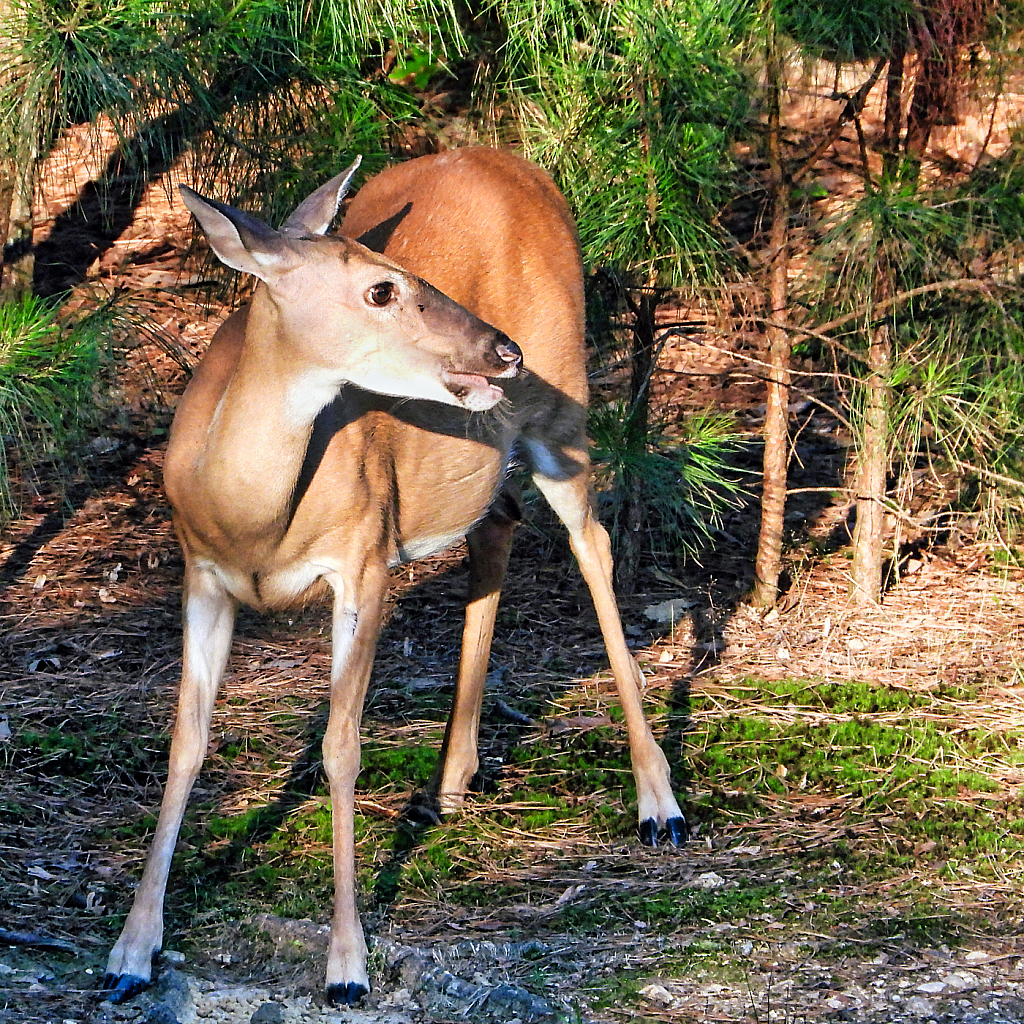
893,114
873,453
7,177
869,530
17,182
768,563
17,186
634,439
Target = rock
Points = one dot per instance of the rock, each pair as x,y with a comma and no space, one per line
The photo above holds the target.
920,1007
174,991
668,612
657,994
708,880
958,982
268,1013
161,1013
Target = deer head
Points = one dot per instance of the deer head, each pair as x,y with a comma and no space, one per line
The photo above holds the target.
347,314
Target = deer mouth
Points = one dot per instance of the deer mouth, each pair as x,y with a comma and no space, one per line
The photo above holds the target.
472,390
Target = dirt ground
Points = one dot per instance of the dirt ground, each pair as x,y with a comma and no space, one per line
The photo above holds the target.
89,660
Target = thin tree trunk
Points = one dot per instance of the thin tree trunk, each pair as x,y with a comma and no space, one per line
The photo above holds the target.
932,102
17,187
7,166
7,178
768,563
17,182
634,498
893,114
869,530
873,454
634,509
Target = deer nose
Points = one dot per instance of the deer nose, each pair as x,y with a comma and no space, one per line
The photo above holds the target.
509,352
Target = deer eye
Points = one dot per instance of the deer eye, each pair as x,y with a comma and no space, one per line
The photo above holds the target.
382,294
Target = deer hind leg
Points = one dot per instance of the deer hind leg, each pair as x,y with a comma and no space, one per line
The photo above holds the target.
208,614
489,545
657,806
356,623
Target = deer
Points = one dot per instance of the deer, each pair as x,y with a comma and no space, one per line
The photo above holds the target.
353,417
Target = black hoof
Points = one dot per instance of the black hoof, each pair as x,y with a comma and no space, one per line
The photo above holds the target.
649,832
119,987
676,832
346,994
422,809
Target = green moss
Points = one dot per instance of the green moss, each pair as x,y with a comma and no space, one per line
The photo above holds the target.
885,752
395,767
667,912
91,752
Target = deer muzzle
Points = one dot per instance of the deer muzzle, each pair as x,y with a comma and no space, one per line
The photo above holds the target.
474,391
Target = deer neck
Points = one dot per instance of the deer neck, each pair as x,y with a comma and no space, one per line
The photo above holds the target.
258,436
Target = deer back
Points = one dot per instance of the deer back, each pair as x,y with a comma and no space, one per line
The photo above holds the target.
493,232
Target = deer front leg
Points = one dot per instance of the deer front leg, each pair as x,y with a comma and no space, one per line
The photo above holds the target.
356,623
656,804
208,613
489,546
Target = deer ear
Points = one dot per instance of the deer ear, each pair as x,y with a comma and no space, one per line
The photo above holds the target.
241,241
313,215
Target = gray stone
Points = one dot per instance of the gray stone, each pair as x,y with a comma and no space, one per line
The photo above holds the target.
268,1013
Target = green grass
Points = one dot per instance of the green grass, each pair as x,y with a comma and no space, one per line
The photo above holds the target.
885,750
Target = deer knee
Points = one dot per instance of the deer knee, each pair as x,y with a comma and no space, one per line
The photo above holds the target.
341,753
